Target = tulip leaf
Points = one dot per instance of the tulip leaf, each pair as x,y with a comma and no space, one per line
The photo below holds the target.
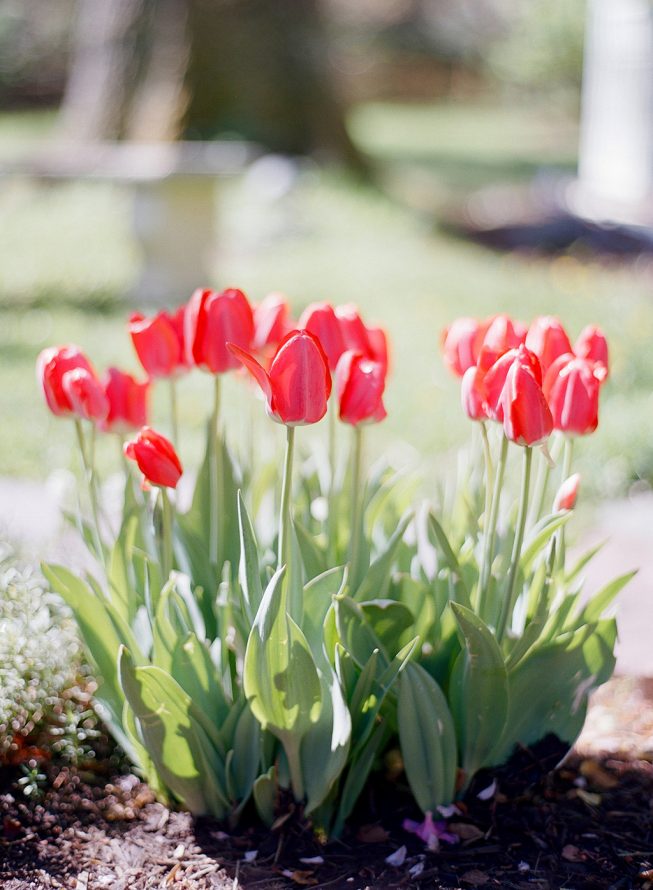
280,677
461,593
377,578
549,688
264,791
242,767
427,738
313,558
540,537
601,600
478,691
103,632
357,774
248,568
183,755
192,667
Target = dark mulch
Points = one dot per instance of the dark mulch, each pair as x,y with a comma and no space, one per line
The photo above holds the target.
588,824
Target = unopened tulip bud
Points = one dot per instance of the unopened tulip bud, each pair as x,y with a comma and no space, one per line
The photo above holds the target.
567,494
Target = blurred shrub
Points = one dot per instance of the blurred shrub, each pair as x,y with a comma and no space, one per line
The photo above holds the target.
542,46
44,696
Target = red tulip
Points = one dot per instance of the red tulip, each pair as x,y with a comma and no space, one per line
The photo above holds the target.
213,320
567,494
51,365
298,384
548,340
494,380
271,322
127,402
156,458
178,321
472,394
156,343
572,387
86,395
320,319
461,343
371,342
502,334
591,344
360,383
526,415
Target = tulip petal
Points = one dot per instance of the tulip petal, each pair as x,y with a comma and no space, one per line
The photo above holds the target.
254,367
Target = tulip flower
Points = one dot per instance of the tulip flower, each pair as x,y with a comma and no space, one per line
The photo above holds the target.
494,380
548,340
461,344
567,494
271,322
502,334
591,344
127,399
213,320
430,831
157,343
298,384
85,394
320,319
360,383
472,394
572,387
51,365
156,458
526,416
297,389
371,342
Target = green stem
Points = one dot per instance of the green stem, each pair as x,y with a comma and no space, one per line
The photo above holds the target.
174,417
292,748
489,475
286,487
490,531
216,473
166,535
89,475
509,601
566,472
332,524
356,504
542,484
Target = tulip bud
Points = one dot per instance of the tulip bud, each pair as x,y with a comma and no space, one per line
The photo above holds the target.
548,340
572,387
156,458
213,319
591,344
360,383
472,394
156,342
320,319
526,415
461,344
85,394
127,402
567,494
298,384
271,322
51,365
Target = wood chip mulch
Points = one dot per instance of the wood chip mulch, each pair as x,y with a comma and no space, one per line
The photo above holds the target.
588,824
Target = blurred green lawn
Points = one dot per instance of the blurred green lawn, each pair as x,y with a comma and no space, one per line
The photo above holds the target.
66,259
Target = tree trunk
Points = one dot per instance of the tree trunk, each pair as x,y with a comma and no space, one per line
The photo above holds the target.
160,69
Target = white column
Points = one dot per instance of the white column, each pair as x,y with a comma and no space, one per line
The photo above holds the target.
616,144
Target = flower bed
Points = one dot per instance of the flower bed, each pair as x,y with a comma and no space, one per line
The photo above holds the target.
247,662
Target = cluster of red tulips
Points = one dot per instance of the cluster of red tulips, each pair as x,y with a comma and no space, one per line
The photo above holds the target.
531,380
219,332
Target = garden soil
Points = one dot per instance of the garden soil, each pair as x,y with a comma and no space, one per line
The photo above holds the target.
586,824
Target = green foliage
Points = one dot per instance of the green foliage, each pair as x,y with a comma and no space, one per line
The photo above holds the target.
233,681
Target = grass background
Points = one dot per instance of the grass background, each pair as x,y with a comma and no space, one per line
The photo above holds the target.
67,261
